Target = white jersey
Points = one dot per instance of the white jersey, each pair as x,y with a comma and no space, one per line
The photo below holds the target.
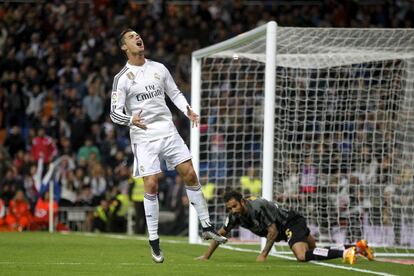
143,88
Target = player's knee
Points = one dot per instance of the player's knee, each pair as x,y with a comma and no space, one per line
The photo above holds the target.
301,257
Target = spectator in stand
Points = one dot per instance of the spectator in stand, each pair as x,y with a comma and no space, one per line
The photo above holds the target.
78,125
18,216
19,161
308,186
41,212
15,106
308,176
108,147
289,193
179,205
10,184
5,163
32,182
118,211
14,141
43,146
85,196
136,196
69,189
208,189
251,183
36,96
97,182
93,104
100,221
87,150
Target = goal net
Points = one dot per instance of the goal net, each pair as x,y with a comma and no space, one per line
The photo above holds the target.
343,129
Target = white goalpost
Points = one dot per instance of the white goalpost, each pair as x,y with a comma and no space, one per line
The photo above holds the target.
269,32
319,120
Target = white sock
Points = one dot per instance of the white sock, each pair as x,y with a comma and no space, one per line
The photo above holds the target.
151,215
196,197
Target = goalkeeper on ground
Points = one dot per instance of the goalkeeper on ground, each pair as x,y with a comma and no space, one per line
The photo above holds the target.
267,219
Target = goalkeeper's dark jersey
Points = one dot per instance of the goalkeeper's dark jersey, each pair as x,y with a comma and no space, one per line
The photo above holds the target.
260,214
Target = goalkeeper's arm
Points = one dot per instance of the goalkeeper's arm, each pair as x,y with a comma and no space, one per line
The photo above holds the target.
212,247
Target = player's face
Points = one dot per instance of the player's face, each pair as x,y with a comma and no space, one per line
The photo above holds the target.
235,207
133,43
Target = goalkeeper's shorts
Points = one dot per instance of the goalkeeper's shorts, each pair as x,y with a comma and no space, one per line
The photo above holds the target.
296,230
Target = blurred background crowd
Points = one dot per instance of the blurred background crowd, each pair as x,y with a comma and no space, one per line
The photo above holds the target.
58,60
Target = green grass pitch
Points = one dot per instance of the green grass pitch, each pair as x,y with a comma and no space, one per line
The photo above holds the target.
82,254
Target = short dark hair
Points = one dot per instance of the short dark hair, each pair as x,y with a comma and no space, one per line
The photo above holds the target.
232,194
121,40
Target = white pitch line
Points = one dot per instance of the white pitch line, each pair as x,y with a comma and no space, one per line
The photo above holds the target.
317,263
229,247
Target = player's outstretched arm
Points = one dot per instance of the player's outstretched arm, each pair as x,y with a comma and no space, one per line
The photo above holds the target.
272,233
213,246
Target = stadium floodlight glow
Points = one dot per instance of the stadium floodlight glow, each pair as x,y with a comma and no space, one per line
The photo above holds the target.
326,121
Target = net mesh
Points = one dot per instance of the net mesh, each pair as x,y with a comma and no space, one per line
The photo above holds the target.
344,131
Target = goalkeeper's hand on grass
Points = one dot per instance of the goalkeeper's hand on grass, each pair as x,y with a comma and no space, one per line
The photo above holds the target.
261,258
202,258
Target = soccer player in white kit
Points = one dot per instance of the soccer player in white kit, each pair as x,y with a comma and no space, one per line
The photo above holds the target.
138,101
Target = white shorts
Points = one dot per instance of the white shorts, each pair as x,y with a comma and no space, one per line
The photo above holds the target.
147,155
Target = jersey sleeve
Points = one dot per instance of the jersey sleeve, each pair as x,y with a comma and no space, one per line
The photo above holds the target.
174,93
118,98
230,223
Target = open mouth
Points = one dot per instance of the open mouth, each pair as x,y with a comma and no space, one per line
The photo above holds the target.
139,44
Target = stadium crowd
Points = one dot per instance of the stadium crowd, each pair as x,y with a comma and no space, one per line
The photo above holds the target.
57,64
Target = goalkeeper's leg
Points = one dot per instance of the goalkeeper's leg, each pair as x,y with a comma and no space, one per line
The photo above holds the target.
196,198
306,250
361,248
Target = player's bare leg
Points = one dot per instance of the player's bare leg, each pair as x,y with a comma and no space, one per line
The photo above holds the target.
300,249
151,215
196,198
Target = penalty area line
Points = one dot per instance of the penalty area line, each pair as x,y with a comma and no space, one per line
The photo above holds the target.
313,262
